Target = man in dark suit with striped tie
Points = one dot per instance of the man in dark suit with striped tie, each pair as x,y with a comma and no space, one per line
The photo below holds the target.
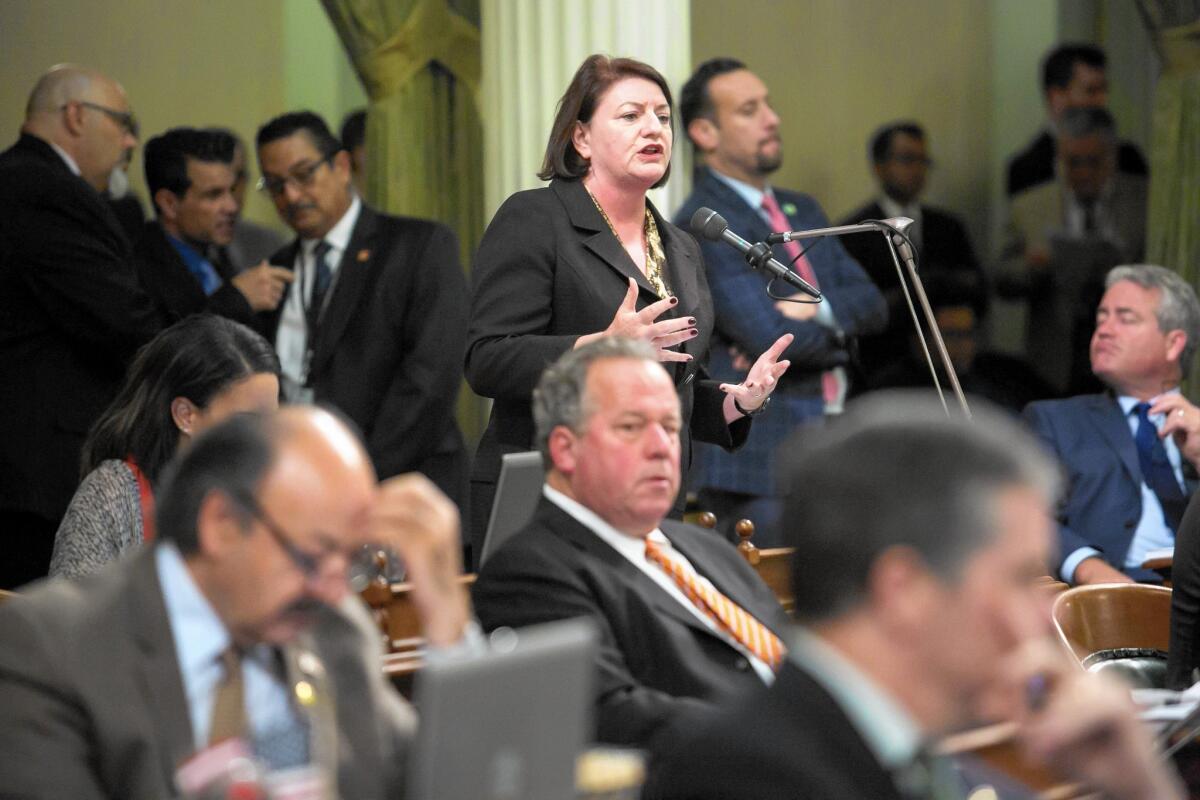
1130,454
684,620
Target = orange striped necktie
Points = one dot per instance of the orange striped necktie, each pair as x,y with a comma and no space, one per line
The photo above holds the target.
728,615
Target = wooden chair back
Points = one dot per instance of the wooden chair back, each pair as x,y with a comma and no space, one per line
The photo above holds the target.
1110,616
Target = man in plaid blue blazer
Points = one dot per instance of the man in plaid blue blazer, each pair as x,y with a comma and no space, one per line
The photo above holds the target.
728,118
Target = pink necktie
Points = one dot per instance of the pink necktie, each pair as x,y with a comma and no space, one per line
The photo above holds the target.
780,224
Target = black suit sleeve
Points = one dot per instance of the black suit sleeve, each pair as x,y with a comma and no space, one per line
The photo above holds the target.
1184,653
524,586
513,302
432,332
228,301
87,282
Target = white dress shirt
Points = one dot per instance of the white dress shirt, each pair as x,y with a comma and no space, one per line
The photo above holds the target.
291,340
634,550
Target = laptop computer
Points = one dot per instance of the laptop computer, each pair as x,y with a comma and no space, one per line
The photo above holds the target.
517,493
509,723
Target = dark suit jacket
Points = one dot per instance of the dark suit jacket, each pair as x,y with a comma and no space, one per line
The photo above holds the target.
390,344
175,291
1184,654
1035,164
944,258
1103,500
658,665
71,316
747,317
549,270
790,741
92,703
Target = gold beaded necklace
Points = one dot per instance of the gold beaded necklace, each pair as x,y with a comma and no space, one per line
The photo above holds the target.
656,258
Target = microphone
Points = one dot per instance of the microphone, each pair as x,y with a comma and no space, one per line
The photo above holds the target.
890,226
712,226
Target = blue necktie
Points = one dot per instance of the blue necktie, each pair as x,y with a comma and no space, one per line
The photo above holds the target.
1157,471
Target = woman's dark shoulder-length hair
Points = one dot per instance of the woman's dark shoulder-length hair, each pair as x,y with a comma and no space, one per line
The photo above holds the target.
196,358
595,76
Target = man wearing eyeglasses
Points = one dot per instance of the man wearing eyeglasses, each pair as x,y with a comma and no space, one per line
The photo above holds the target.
374,323
238,624
900,161
1062,238
71,310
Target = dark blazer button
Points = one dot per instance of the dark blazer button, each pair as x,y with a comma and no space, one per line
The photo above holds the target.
1129,524
741,665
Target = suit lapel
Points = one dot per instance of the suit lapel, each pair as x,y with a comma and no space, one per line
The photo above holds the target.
716,569
602,243
1105,414
570,529
353,274
158,668
309,688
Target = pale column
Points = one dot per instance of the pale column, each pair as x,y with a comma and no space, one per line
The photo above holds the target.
531,48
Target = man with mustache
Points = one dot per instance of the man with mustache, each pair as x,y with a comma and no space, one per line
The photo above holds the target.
72,312
684,620
1131,453
238,623
728,116
180,255
375,322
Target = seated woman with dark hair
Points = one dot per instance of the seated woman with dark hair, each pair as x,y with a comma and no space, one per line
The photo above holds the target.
189,377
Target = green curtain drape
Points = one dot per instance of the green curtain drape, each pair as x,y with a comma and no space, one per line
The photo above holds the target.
1173,225
419,61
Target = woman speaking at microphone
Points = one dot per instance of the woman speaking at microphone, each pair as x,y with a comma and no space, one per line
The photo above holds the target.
589,256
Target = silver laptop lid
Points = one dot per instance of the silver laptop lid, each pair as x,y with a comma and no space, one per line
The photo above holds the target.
509,723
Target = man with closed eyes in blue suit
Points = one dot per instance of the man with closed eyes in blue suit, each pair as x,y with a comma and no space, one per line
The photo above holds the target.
1129,454
727,114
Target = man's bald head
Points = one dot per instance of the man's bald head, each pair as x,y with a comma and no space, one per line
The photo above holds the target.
86,114
238,455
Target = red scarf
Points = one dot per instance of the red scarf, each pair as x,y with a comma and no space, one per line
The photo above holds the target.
145,499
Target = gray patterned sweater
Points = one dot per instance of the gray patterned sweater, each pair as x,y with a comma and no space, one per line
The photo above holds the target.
103,521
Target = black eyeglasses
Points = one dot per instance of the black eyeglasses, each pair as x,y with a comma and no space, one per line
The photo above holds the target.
309,564
301,177
125,119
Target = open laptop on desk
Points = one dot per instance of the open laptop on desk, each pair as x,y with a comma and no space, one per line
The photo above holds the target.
517,493
508,723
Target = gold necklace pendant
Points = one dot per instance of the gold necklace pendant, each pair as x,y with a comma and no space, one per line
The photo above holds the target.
651,247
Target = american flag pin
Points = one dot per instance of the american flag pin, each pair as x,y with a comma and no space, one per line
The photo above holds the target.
363,255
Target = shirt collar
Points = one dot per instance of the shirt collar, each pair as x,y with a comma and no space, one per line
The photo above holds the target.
751,194
1127,403
889,731
200,636
632,547
338,237
891,208
70,162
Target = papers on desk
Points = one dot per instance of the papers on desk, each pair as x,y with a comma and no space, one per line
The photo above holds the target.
1164,705
1159,552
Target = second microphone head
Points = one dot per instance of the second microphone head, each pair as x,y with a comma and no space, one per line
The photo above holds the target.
708,223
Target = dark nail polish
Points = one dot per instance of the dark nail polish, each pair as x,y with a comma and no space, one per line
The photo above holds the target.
674,300
691,320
